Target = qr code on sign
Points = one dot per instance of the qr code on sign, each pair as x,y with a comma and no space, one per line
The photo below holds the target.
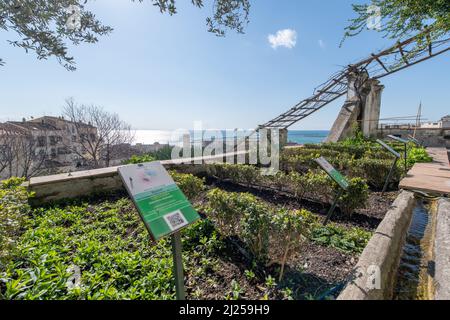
175,220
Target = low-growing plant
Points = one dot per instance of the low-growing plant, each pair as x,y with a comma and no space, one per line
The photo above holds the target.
352,240
320,186
418,155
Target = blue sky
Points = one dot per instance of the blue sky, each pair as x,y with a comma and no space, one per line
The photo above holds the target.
165,72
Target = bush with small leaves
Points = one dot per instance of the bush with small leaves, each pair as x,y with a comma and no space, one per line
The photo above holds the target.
375,171
191,185
255,228
226,210
355,197
289,229
14,211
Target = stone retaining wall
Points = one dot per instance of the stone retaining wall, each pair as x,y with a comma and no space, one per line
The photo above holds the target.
442,251
84,183
374,274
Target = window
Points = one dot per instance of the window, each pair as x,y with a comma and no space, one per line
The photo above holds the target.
42,141
52,140
63,150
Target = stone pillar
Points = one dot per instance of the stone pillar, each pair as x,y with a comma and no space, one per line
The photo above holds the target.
372,106
283,138
351,111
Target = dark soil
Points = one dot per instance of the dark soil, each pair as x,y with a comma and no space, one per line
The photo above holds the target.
368,218
314,273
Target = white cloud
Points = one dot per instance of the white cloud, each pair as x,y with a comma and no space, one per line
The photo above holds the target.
322,44
283,38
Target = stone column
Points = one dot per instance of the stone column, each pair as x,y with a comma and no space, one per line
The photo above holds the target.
371,111
283,138
351,111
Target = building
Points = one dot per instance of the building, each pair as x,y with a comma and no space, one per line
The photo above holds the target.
149,148
58,138
49,142
446,122
432,125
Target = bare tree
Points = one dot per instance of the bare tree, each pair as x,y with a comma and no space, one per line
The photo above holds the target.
19,152
98,132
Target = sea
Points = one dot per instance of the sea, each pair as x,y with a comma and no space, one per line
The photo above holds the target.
175,137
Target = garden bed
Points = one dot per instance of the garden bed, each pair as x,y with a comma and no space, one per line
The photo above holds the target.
105,239
368,217
260,237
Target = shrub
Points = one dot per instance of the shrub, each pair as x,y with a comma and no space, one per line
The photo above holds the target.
289,229
14,211
246,174
226,209
378,153
355,197
191,186
299,184
320,186
375,171
255,229
279,180
418,155
140,159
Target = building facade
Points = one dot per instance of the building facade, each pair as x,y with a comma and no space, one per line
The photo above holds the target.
49,142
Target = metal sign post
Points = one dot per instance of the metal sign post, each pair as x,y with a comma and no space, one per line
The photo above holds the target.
405,142
163,208
338,178
178,266
391,172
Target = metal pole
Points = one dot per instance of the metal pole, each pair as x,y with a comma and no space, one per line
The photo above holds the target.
406,158
178,266
335,202
389,177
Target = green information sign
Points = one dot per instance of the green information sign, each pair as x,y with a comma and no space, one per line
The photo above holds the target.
332,172
398,139
161,204
388,148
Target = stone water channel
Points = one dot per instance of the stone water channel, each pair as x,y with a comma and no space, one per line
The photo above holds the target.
414,280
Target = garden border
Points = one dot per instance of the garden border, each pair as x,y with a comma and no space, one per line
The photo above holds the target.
442,251
373,276
72,185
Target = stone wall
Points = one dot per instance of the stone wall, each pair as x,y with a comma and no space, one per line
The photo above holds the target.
429,137
73,185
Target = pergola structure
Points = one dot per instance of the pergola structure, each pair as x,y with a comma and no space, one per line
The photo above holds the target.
398,57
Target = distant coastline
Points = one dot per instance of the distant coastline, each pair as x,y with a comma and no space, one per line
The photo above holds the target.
168,137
